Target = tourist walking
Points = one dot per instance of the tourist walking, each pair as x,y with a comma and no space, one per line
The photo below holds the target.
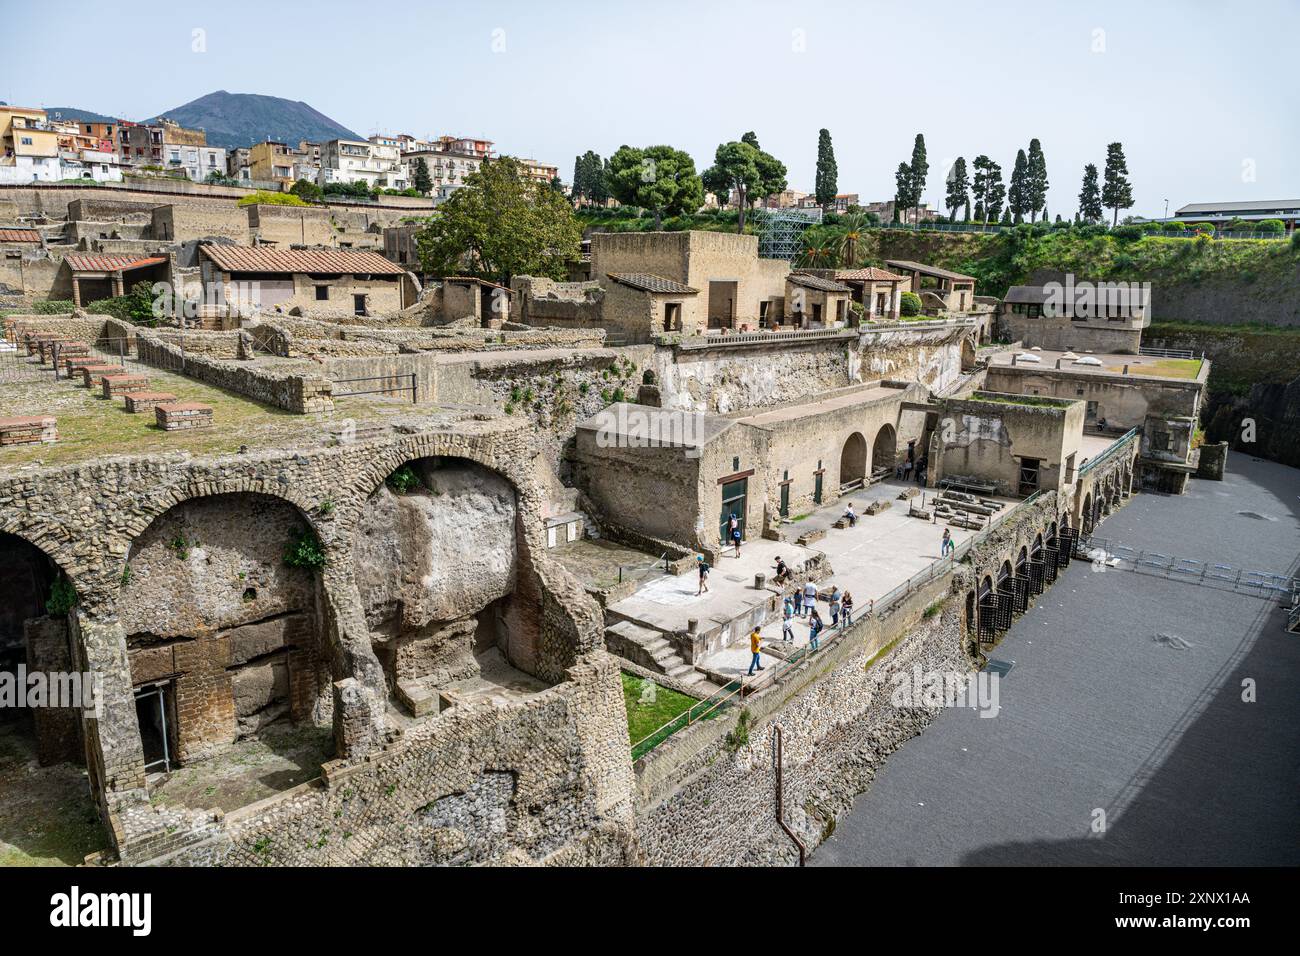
704,574
797,600
846,610
787,615
815,626
735,534
947,546
835,608
810,597
754,641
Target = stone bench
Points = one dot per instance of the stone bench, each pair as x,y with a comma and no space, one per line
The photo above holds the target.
877,506
143,401
91,375
115,385
175,416
30,430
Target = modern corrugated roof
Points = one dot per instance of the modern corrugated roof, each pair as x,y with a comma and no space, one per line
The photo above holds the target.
870,274
110,263
816,282
249,259
1262,205
649,282
1102,295
19,235
922,268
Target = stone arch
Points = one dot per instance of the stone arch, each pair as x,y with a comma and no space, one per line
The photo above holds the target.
446,578
884,449
853,459
968,352
227,637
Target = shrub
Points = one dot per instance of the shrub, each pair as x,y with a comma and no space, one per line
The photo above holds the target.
404,480
63,597
1127,233
909,304
264,198
1295,240
1204,227
1150,227
1175,225
53,306
306,190
135,307
1272,226
305,551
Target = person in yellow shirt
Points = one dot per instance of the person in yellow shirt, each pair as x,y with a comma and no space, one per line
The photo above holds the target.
754,641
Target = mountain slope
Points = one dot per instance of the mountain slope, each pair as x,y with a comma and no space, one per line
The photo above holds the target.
241,119
72,114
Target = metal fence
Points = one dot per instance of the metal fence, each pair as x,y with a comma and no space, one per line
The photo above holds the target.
394,386
1284,587
999,227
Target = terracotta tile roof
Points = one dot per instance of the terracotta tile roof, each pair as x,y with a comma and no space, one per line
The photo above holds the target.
247,259
110,263
649,282
19,235
870,274
816,282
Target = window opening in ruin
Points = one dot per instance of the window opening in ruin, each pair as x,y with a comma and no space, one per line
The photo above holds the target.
1029,475
359,305
322,293
151,708
672,316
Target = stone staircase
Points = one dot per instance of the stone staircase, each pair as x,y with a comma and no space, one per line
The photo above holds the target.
651,649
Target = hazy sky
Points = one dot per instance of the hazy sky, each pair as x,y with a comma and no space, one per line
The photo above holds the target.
1203,94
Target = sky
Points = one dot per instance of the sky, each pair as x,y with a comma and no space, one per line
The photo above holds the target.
1202,93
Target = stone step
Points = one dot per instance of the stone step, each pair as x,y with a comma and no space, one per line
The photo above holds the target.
632,631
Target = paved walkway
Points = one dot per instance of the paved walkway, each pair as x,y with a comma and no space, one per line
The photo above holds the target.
1125,696
869,560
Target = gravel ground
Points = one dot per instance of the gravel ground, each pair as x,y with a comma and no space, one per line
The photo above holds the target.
1125,697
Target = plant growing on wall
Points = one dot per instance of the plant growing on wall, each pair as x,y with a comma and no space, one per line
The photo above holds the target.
305,551
404,480
63,598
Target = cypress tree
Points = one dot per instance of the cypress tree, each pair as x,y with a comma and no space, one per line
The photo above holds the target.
1035,179
1017,201
1090,210
919,170
827,178
1116,190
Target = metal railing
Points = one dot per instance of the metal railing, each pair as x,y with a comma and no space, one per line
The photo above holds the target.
387,389
1168,353
757,338
1285,587
1120,443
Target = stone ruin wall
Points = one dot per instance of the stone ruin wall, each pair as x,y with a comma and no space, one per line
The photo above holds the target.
552,766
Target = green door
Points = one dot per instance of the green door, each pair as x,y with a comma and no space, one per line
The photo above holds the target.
785,501
817,490
733,503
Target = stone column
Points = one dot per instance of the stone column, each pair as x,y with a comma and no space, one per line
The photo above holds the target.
76,291
118,284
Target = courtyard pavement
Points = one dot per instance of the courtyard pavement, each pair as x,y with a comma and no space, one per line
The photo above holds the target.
1125,696
869,560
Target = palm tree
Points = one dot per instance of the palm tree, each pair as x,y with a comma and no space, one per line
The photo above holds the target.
852,229
818,248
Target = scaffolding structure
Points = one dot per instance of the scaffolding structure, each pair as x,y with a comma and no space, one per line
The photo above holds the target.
780,231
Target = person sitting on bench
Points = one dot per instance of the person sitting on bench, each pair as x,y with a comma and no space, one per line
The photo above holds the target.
851,516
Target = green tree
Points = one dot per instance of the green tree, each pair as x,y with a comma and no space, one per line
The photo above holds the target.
1090,210
902,190
421,179
1035,179
818,248
826,179
743,167
659,178
1116,190
1017,197
306,190
501,224
989,190
851,230
919,169
958,194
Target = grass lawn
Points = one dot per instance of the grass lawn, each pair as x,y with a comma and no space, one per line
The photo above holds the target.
1171,368
644,719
